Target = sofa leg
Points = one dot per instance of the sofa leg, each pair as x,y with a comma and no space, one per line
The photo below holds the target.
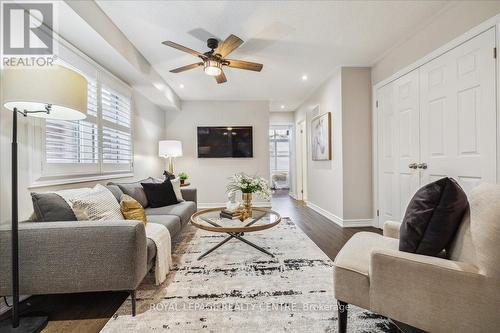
342,311
132,296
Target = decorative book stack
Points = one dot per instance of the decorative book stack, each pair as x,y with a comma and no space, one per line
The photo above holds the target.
232,215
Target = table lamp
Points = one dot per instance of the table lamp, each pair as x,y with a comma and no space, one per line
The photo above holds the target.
53,92
170,149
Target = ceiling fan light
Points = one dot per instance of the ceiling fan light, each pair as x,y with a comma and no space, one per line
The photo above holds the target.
213,67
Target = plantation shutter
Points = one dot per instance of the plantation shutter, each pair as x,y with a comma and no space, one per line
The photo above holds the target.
72,147
116,130
99,146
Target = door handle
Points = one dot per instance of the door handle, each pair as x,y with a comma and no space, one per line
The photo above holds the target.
422,166
413,166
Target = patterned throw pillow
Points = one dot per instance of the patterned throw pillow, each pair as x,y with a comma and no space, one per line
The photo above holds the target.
132,209
97,204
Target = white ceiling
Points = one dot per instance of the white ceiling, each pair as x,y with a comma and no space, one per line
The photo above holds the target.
290,38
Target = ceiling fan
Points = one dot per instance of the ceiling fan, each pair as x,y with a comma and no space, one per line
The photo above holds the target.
215,59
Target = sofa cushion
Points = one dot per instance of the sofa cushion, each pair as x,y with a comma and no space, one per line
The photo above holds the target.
172,222
352,266
184,210
355,255
160,195
433,217
51,207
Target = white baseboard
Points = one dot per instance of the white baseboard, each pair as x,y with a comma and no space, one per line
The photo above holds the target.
293,195
264,204
353,223
344,223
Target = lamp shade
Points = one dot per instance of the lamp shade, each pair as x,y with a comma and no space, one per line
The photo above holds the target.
33,88
170,148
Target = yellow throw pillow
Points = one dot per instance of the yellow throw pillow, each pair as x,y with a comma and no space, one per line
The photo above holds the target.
132,209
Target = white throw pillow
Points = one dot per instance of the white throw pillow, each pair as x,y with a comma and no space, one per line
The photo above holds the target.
176,184
97,204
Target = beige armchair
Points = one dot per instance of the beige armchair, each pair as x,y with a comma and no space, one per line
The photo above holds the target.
461,294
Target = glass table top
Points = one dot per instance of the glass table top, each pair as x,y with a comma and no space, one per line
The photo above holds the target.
211,220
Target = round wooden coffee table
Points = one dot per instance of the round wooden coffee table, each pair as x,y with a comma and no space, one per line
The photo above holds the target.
210,220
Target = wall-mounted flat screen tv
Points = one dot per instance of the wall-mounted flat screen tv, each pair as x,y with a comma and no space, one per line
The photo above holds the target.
228,141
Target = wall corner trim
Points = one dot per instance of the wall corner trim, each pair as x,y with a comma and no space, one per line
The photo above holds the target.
344,223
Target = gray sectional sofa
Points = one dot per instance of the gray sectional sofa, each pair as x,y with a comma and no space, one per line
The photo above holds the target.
89,256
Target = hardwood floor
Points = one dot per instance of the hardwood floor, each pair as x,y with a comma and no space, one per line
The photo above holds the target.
89,312
327,235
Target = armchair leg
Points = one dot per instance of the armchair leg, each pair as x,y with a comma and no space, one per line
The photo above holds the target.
342,311
132,296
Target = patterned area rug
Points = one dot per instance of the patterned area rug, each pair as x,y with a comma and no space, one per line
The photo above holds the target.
237,288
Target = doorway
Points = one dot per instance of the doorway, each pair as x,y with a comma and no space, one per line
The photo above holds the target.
280,153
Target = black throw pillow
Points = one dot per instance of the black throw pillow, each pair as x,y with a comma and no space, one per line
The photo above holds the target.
160,195
432,217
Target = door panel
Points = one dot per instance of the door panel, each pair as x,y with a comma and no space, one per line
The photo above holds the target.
388,181
398,123
458,115
406,110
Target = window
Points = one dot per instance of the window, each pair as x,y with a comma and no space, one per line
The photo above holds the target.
74,141
100,144
279,150
116,134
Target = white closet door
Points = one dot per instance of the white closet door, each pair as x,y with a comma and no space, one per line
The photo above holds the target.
387,175
398,119
458,116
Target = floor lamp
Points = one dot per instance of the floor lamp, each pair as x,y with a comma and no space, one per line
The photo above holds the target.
52,92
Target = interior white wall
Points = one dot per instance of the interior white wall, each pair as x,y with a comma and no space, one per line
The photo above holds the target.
148,120
324,178
210,175
449,24
281,118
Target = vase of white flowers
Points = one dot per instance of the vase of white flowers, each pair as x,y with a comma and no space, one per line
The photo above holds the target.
248,186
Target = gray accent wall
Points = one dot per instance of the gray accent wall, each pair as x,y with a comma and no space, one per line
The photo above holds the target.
357,143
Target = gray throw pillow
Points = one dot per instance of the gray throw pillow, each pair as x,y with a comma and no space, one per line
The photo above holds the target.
51,207
117,192
135,190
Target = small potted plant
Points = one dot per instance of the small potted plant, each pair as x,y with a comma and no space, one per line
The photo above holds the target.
183,176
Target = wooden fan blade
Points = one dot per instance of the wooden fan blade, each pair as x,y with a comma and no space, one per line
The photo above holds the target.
229,45
181,48
187,67
250,66
221,78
